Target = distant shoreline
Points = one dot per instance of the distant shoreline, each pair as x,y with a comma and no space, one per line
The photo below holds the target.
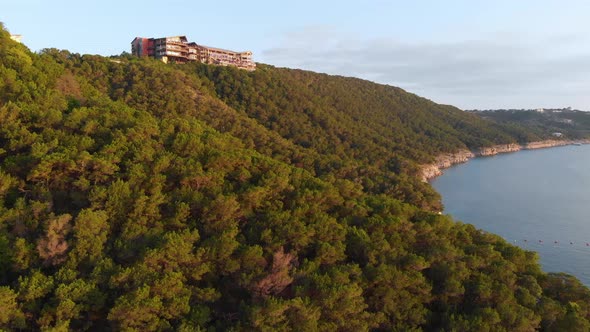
446,160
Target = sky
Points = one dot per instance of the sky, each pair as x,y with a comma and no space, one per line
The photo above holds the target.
473,54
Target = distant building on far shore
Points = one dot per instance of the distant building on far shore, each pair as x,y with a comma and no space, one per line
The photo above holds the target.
179,50
17,38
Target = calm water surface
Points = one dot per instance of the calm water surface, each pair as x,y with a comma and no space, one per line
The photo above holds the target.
534,195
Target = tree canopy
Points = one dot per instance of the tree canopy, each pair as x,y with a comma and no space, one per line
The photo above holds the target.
136,195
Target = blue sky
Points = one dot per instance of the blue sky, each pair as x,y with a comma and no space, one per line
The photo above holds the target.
472,54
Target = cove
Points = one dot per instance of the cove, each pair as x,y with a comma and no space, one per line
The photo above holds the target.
538,200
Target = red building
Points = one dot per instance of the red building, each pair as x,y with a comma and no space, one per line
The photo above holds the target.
142,47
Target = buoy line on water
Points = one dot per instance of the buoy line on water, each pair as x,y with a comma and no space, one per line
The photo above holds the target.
555,242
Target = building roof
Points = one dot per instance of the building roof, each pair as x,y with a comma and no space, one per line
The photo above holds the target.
17,38
136,38
182,38
185,40
220,49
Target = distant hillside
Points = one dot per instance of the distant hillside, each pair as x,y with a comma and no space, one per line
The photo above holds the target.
572,124
140,196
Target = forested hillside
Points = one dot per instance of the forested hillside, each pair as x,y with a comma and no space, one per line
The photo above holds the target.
141,196
572,124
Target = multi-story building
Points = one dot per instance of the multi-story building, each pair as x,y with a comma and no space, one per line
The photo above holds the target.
17,38
177,49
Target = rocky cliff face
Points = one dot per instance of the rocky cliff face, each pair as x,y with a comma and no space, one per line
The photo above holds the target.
494,150
449,159
445,161
550,143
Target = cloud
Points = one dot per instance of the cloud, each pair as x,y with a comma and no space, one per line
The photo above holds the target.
513,70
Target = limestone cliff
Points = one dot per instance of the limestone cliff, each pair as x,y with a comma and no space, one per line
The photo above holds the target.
551,143
494,150
447,160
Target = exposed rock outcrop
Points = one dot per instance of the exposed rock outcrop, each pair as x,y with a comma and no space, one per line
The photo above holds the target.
494,150
447,160
551,143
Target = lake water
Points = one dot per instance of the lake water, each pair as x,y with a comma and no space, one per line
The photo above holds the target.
533,195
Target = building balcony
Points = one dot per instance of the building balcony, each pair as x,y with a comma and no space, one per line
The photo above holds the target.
172,41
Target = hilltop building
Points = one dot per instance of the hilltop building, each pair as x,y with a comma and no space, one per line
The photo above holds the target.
179,50
16,38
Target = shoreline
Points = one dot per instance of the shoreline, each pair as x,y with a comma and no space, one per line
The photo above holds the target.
446,160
